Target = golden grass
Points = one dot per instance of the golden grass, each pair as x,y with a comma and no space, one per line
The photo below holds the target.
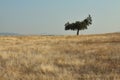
85,57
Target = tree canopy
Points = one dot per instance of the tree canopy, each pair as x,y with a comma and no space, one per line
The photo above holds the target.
79,25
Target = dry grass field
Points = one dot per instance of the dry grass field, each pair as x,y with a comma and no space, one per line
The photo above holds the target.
84,57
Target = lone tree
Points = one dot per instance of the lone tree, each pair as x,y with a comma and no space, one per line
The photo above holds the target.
79,25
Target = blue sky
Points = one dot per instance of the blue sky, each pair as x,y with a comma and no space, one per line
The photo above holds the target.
49,16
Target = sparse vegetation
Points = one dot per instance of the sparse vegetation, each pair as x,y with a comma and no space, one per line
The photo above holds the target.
85,57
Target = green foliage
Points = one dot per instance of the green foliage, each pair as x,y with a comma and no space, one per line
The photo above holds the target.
79,25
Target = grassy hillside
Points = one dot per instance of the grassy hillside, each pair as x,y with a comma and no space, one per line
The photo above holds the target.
85,57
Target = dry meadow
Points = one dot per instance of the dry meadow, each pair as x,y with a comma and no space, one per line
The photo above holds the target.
84,57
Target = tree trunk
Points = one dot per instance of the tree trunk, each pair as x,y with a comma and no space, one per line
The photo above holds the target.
78,32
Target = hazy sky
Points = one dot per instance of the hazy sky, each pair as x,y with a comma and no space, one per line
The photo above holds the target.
49,16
